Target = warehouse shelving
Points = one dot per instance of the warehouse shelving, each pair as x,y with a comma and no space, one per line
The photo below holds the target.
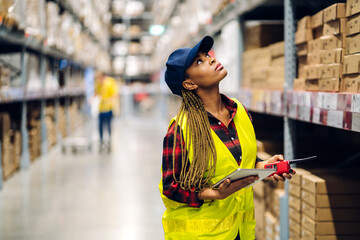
21,43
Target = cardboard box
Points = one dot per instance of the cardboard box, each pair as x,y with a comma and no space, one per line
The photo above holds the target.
335,27
302,49
302,61
351,64
278,61
312,85
304,23
294,235
302,36
331,56
270,222
313,58
352,83
296,179
330,70
352,7
277,72
352,44
353,25
333,41
295,227
332,185
277,49
302,72
314,45
335,201
318,32
258,189
295,215
330,228
263,34
312,71
259,205
330,84
278,193
317,19
299,84
331,214
335,11
307,235
295,202
295,190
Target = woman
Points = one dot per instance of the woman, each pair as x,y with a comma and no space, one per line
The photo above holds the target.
210,137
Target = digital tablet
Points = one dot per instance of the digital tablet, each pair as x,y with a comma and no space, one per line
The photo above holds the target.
243,173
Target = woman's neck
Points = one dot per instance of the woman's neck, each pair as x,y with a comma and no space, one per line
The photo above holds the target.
212,102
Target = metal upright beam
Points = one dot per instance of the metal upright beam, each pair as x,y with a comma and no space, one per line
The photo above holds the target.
25,155
289,131
43,106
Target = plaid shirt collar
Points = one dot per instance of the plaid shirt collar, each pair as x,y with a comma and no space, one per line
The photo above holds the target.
230,105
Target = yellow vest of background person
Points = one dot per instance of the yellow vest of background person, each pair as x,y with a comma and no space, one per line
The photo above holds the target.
107,92
218,219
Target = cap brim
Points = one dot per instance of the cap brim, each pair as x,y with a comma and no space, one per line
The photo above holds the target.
204,46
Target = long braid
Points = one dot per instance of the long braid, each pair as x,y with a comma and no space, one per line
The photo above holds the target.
195,175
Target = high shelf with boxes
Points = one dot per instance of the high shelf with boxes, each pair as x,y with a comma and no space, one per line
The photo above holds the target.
45,48
132,44
324,93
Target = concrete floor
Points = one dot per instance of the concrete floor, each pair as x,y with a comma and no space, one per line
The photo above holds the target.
90,195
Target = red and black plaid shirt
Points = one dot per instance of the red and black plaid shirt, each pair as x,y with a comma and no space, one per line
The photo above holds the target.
171,189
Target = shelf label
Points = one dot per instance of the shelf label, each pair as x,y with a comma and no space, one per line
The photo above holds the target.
335,118
292,111
316,115
355,103
330,101
355,122
304,113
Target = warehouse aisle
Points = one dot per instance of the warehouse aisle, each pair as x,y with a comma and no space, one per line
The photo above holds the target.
90,195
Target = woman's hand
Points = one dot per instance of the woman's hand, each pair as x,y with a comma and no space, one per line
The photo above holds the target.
226,188
275,178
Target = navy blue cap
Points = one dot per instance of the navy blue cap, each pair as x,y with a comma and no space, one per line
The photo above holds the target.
180,60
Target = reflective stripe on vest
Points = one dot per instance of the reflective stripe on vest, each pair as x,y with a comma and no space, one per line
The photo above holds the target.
221,219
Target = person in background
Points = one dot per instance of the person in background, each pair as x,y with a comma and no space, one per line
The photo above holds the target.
211,136
106,88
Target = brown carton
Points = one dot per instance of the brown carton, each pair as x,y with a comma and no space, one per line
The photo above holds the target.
263,34
312,71
314,45
335,11
330,228
296,179
259,205
335,27
351,64
335,201
302,61
295,227
295,190
270,222
302,49
304,23
302,36
331,56
332,184
331,214
277,49
352,7
302,72
299,84
330,70
278,193
295,215
313,58
353,25
317,19
318,32
329,84
352,83
295,202
352,44
259,189
333,41
312,85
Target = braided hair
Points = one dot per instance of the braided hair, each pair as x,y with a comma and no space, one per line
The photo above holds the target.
195,176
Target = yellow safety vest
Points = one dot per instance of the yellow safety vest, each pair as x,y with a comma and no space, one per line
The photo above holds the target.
218,219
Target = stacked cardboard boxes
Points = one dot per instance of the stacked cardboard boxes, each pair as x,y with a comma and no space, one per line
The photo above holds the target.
264,67
10,146
330,207
50,126
320,44
351,68
295,213
34,130
62,121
